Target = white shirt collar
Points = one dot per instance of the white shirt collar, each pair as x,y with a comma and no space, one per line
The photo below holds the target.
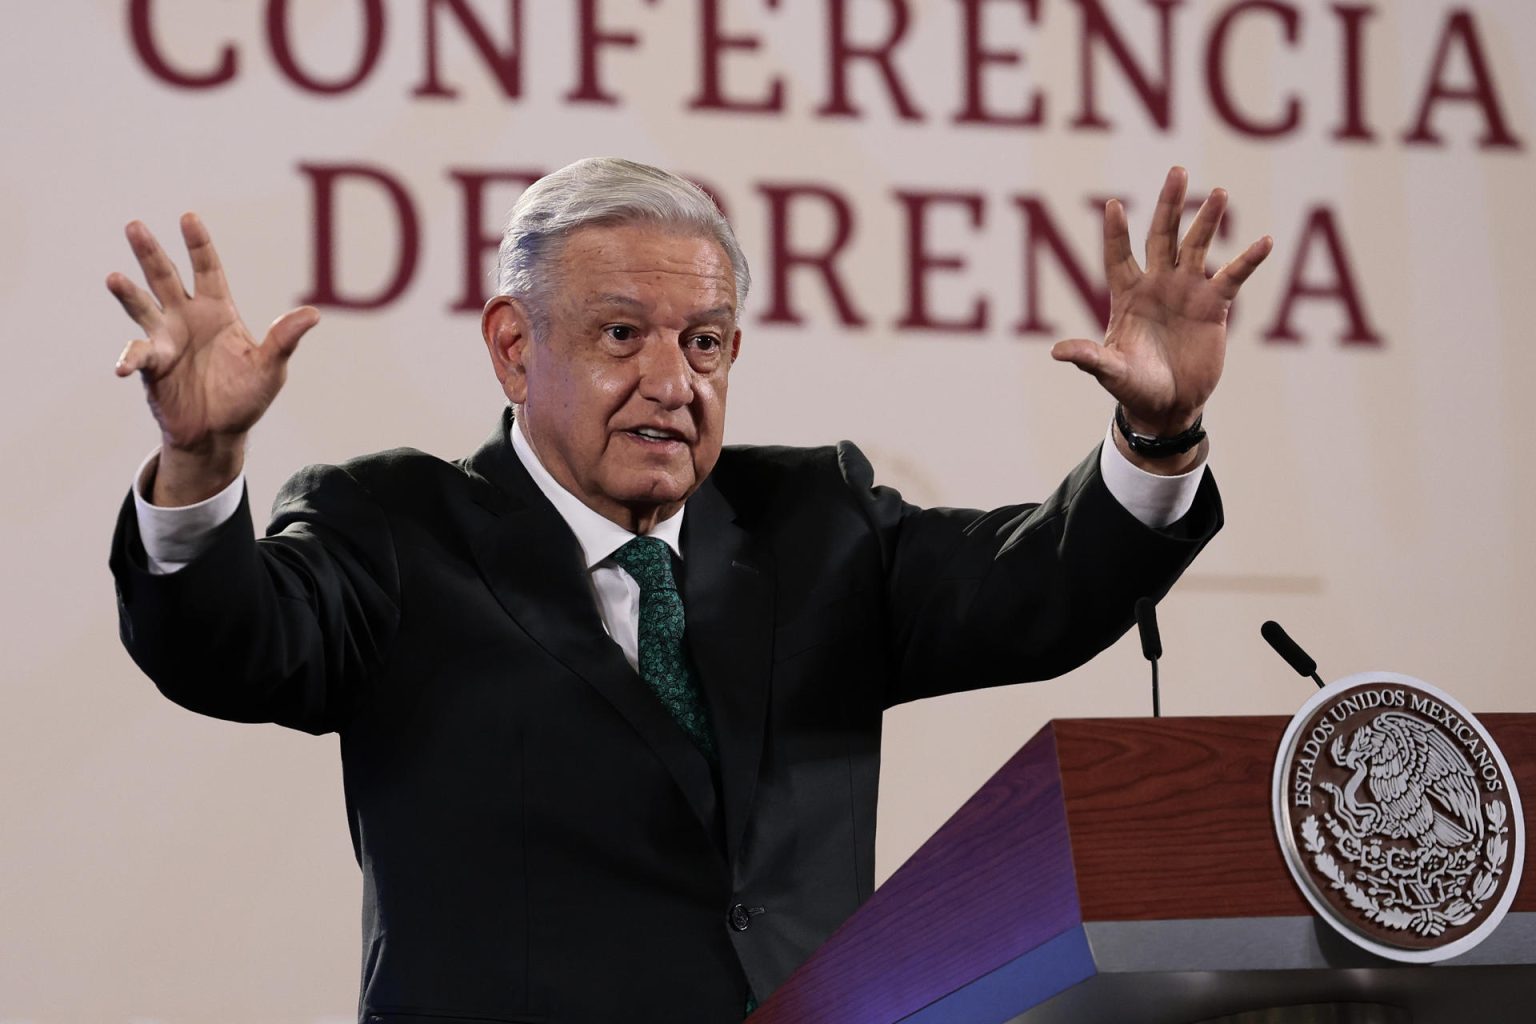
598,536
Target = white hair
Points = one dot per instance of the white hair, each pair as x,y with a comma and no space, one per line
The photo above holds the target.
603,191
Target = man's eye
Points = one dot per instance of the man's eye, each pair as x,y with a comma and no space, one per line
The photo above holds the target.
621,332
705,342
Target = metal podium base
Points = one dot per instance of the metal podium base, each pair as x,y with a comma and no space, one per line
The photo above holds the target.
1321,1013
1217,971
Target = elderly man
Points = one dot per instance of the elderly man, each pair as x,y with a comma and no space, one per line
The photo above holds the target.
609,696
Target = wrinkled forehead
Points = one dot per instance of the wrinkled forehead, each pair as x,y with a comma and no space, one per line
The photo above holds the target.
644,262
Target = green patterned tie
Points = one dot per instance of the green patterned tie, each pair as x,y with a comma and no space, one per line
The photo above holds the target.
663,660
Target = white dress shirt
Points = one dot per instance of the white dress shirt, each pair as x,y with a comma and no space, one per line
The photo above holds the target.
173,537
617,593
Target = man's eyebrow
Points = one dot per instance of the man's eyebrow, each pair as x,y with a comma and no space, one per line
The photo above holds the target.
716,313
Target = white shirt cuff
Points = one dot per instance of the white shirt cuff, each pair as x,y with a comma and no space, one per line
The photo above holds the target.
173,537
1156,501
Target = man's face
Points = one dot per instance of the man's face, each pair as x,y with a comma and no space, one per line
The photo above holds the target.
623,399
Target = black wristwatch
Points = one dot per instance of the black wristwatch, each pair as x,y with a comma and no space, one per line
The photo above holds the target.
1149,447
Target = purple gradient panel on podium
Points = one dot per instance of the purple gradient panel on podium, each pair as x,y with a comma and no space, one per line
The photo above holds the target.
990,886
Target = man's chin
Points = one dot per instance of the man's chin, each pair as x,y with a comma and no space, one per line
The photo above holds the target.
655,491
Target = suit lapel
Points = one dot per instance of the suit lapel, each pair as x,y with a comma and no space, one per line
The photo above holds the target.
530,560
728,595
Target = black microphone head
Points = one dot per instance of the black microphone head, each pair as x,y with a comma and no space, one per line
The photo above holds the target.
1287,648
1146,624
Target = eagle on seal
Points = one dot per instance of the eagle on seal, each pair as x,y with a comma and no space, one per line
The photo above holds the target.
1423,787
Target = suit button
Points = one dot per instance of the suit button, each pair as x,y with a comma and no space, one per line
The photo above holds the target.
739,918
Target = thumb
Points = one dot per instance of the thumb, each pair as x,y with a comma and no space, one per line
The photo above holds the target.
138,356
1106,365
284,334
1086,355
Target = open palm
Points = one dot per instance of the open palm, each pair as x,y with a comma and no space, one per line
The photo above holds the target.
1164,348
206,378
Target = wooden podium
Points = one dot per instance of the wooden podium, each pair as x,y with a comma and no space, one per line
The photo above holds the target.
1127,871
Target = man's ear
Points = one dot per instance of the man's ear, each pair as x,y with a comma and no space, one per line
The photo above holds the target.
735,345
508,332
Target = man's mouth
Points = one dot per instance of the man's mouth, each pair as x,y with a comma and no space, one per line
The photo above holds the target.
655,435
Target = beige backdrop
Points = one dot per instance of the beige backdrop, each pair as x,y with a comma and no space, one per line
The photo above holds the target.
157,866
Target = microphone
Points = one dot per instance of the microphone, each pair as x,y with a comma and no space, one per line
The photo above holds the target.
1290,650
1151,644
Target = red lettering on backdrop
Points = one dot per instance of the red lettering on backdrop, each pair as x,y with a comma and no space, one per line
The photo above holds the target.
1321,269
976,58
920,261
282,50
139,18
841,52
506,65
782,256
1155,96
324,292
1339,286
1352,70
1459,28
1040,229
477,241
1102,38
590,37
713,43
1216,70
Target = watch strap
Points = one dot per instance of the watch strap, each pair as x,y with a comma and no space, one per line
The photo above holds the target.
1152,447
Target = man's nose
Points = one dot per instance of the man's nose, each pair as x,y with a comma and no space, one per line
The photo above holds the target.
665,376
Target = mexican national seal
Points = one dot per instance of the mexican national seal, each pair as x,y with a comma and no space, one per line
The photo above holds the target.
1398,817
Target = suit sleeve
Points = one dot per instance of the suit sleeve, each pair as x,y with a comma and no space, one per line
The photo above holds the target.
286,629
1019,593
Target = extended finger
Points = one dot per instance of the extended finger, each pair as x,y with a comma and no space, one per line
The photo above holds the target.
1163,234
1120,267
207,271
1201,230
135,302
1103,363
137,355
158,269
284,334
1231,277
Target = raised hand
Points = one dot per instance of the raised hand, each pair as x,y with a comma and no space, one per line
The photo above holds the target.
205,377
1163,351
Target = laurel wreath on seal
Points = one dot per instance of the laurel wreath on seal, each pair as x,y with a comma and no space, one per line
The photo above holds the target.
1460,909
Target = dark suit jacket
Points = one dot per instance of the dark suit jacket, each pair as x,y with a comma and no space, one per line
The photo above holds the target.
538,840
